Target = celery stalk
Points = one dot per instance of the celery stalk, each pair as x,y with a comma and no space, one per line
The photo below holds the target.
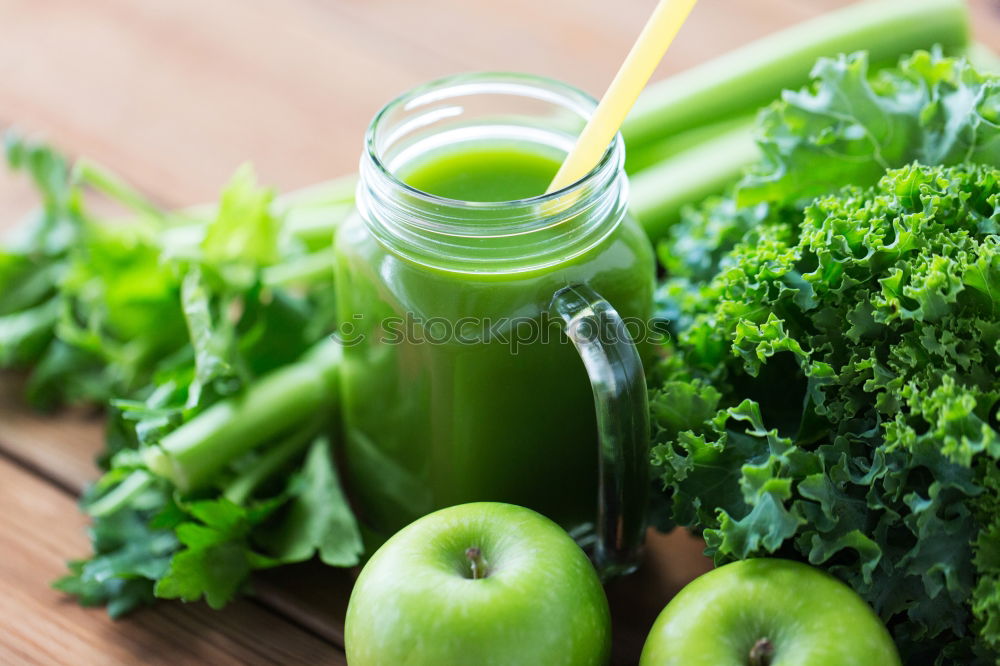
191,455
272,459
645,156
751,76
659,192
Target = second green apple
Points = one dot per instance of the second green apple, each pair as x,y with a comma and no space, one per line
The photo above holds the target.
768,612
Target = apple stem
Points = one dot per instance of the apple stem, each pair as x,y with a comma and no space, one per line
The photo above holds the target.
761,653
477,563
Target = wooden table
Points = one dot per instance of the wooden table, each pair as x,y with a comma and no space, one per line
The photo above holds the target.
175,95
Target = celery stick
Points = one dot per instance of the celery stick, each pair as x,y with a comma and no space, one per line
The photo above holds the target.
133,485
302,270
645,156
659,192
319,195
751,76
274,458
191,455
103,180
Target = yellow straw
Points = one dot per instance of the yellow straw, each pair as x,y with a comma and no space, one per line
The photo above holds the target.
649,48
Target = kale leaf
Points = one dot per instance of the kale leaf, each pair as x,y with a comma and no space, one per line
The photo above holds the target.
837,350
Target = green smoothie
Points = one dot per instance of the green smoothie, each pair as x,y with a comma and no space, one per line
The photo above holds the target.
440,405
491,172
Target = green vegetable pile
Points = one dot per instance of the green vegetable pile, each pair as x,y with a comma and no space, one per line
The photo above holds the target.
832,392
194,328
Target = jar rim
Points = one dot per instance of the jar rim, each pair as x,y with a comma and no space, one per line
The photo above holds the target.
457,235
568,96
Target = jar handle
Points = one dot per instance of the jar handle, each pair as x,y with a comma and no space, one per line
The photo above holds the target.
620,400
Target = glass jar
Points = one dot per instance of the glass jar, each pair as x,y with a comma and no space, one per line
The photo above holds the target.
464,325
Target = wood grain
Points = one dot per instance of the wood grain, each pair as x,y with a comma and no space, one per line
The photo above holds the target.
40,528
671,562
62,448
175,95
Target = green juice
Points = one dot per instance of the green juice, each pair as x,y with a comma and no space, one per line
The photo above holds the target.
440,405
489,173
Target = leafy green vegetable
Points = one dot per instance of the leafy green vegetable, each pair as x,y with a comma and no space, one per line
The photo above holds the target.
748,77
850,129
130,552
880,324
33,261
149,544
192,326
689,135
193,455
217,555
832,391
318,520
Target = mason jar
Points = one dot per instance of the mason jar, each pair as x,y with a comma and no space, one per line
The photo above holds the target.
488,351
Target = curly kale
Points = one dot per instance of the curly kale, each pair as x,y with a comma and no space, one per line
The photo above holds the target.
832,393
845,406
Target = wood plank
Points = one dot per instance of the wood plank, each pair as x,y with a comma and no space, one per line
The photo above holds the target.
62,447
671,561
40,528
579,41
986,22
175,95
311,594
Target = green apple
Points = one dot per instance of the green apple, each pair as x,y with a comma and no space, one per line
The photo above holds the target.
483,583
768,612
